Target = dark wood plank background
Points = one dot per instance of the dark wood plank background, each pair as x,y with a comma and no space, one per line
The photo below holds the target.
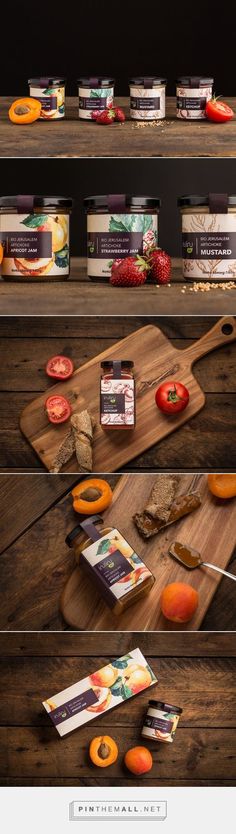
73,137
195,671
81,296
35,563
207,442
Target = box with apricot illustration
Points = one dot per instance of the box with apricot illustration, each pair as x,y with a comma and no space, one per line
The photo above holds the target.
99,692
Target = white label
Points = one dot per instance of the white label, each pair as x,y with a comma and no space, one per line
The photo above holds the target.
191,102
117,565
116,236
35,245
149,111
94,99
209,246
52,101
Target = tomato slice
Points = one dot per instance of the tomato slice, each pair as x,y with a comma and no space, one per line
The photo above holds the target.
59,367
218,111
58,409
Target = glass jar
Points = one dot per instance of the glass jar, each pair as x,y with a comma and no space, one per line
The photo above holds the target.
120,576
161,721
192,94
118,225
95,94
208,237
51,93
117,395
34,231
147,98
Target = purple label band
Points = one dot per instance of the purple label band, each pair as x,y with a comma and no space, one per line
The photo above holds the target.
113,568
185,103
95,103
114,244
48,102
25,203
145,103
116,203
73,707
28,245
158,724
205,245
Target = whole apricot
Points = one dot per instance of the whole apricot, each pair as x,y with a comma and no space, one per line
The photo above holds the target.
137,678
105,677
138,760
179,602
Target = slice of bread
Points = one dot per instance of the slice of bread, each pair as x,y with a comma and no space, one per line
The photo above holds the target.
65,451
82,427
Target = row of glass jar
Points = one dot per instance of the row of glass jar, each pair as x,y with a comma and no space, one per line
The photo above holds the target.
34,234
147,96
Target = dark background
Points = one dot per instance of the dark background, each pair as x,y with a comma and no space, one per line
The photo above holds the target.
79,178
119,39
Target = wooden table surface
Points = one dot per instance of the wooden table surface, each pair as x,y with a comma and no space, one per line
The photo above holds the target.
76,137
80,296
35,563
207,442
195,671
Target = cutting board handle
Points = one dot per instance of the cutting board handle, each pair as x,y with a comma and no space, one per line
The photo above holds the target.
223,331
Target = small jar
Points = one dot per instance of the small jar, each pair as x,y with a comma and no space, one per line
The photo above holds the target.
34,231
192,95
147,98
208,237
118,225
161,721
117,395
95,94
51,93
120,576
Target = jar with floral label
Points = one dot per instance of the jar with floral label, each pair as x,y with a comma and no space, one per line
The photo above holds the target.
117,396
192,94
51,93
95,95
34,232
147,98
118,225
209,237
161,721
120,576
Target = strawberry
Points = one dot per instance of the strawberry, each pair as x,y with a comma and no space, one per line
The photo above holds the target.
95,114
119,114
106,117
160,266
131,272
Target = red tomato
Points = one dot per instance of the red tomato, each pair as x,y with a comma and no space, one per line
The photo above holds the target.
59,367
218,111
58,409
172,397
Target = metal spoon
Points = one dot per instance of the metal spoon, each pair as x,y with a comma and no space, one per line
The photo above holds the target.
191,559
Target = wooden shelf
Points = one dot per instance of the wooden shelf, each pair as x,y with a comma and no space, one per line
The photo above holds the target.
80,296
75,137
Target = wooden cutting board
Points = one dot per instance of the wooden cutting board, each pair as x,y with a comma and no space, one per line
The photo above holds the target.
211,529
155,360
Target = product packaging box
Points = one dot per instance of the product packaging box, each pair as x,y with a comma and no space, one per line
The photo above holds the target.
99,692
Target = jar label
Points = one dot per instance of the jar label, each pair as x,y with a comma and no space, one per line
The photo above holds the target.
35,245
91,99
112,236
117,402
158,724
209,245
115,565
52,100
185,103
97,103
145,103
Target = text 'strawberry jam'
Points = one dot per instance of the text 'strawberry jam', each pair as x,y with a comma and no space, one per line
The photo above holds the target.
117,395
209,237
95,95
161,721
34,232
147,98
192,95
107,558
51,93
118,225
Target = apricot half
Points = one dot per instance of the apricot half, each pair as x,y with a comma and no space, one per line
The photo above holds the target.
103,751
222,485
179,602
138,760
24,111
1,253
